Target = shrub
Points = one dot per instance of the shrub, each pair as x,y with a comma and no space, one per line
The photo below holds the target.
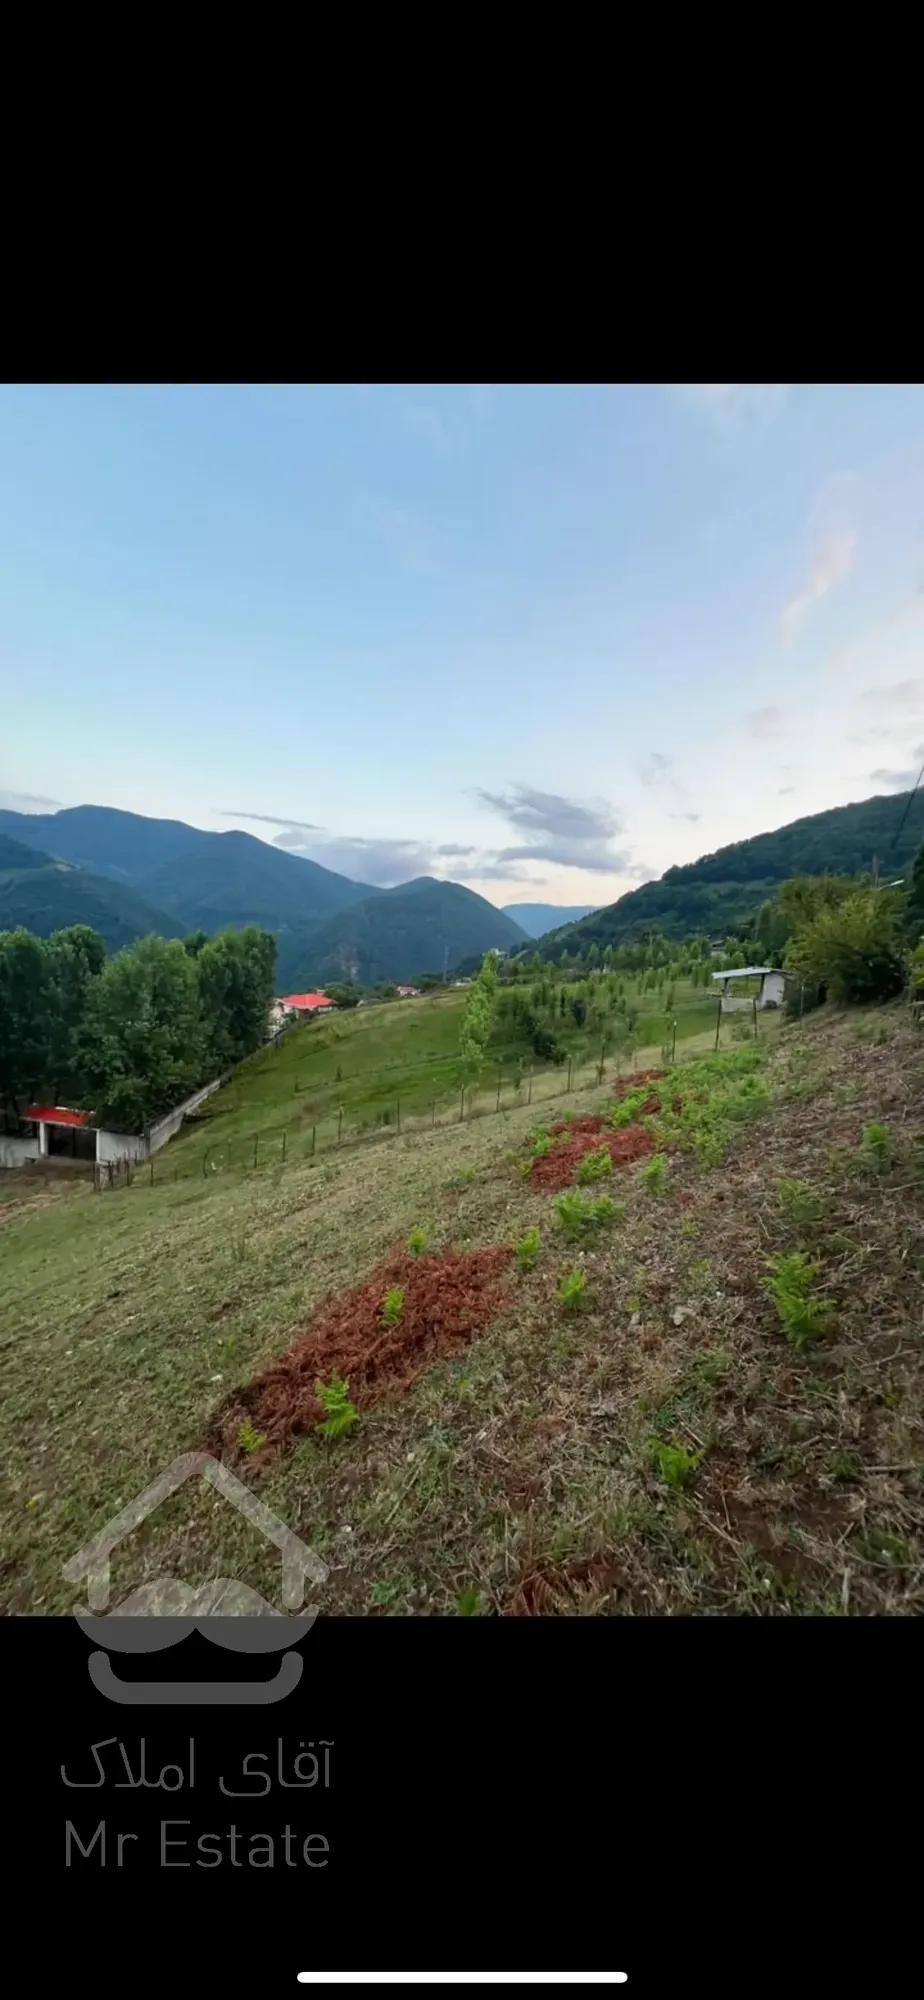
674,1462
853,949
578,1217
653,1173
393,1306
526,1250
799,1202
417,1241
876,1146
339,1412
249,1439
571,1289
803,1312
594,1167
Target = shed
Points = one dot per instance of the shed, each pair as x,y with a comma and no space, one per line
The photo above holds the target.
769,994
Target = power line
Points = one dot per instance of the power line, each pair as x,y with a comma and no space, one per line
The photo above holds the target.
908,806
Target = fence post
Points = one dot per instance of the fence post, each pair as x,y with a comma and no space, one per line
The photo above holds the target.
801,997
152,1173
205,1164
433,1113
255,1145
718,1021
462,1105
755,1016
674,1045
398,1101
283,1145
529,1094
313,1136
569,1072
339,1124
497,1105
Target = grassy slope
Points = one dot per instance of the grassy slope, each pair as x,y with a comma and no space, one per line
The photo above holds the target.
399,1053
524,1469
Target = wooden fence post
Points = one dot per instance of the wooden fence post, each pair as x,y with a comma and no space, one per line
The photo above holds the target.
399,1113
718,1021
674,1045
152,1173
497,1105
283,1145
433,1113
462,1105
755,1016
569,1072
339,1124
255,1145
529,1094
314,1132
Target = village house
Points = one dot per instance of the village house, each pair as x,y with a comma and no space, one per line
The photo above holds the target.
57,1132
305,1003
408,992
769,993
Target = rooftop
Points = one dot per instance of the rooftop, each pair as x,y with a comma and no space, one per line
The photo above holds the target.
746,972
306,1000
57,1114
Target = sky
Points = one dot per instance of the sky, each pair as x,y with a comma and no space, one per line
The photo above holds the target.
545,640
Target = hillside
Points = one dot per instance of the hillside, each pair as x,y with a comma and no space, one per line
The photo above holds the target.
537,918
44,896
203,880
236,879
728,887
398,934
629,1425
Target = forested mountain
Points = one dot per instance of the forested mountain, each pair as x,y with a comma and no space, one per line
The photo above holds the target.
398,934
726,889
40,895
203,881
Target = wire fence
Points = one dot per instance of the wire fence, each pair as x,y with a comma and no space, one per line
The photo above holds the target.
282,1145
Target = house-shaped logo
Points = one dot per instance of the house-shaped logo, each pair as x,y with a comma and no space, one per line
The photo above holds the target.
160,1614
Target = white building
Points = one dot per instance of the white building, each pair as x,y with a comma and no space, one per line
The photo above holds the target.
769,993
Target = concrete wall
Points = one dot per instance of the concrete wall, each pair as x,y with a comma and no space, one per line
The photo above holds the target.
113,1146
17,1152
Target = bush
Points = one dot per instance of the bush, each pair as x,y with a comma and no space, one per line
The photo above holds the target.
853,950
594,1166
803,1311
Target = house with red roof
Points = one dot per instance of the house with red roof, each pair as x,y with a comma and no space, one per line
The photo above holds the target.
307,1003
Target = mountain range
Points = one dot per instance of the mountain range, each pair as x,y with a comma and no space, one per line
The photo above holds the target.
725,889
127,875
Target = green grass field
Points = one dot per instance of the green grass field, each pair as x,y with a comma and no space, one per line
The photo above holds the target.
388,1066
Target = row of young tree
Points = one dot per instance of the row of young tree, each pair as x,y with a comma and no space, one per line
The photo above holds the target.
128,1036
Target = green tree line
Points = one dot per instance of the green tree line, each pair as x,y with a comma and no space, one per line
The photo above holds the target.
128,1036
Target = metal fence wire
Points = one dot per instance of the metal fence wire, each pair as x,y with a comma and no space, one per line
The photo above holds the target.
281,1145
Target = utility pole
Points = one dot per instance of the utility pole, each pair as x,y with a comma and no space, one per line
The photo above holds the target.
445,963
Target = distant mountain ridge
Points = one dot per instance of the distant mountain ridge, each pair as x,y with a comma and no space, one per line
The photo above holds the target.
196,879
727,888
537,918
421,926
43,895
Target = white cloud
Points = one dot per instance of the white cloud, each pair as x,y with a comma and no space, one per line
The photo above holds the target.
830,566
561,830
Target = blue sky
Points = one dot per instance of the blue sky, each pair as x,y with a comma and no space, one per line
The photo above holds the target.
544,640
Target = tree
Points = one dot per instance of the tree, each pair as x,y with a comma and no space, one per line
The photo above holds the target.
143,1045
195,942
235,972
74,959
914,904
852,948
25,1018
